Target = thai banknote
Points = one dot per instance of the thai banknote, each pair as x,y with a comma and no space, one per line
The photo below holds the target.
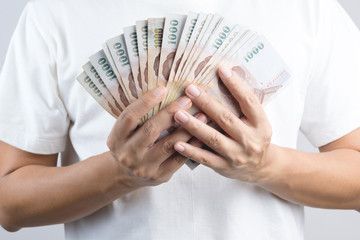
207,50
130,36
91,88
118,51
142,39
210,26
95,78
173,27
181,59
107,74
187,31
155,35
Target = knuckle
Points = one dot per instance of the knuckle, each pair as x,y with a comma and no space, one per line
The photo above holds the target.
140,172
126,161
144,172
251,98
196,157
226,118
170,110
203,160
253,147
213,141
168,147
128,116
153,178
237,162
147,100
149,128
206,102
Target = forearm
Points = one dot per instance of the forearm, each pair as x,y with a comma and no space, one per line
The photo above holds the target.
39,195
324,180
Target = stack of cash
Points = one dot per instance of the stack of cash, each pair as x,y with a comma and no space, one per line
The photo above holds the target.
176,51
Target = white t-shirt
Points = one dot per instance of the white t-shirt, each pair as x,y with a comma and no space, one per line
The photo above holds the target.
44,110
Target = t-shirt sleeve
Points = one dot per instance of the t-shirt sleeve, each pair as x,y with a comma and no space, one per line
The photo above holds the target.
333,97
32,114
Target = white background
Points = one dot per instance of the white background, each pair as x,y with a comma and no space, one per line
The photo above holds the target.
320,224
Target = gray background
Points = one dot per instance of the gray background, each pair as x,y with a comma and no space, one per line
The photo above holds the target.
320,224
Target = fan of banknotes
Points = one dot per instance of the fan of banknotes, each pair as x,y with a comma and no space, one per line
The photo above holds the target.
178,50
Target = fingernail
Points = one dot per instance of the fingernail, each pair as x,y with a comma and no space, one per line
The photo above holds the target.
225,71
179,147
181,117
202,118
184,101
193,91
158,92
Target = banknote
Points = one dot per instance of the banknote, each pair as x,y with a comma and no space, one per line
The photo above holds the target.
142,38
182,59
207,50
107,74
187,31
155,35
210,26
186,34
173,27
202,21
118,51
99,83
224,59
91,88
252,63
224,48
133,54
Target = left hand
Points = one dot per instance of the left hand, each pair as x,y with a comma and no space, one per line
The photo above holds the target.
240,155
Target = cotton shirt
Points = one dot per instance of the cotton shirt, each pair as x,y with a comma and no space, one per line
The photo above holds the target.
44,110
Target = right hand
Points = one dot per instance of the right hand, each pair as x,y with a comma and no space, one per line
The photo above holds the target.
145,161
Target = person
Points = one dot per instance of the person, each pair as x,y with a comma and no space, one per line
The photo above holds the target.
117,182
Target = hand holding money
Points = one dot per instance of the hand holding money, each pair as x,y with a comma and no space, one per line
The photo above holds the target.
146,161
177,51
241,153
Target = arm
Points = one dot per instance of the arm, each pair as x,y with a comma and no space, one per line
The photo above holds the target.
35,192
328,179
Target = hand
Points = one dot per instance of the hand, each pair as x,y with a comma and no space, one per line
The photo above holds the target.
241,153
147,162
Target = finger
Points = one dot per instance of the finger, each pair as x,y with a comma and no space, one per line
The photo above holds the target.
249,103
131,116
171,165
163,149
208,135
228,121
152,128
200,155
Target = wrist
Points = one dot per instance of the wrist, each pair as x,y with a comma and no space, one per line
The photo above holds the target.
120,181
274,166
123,179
